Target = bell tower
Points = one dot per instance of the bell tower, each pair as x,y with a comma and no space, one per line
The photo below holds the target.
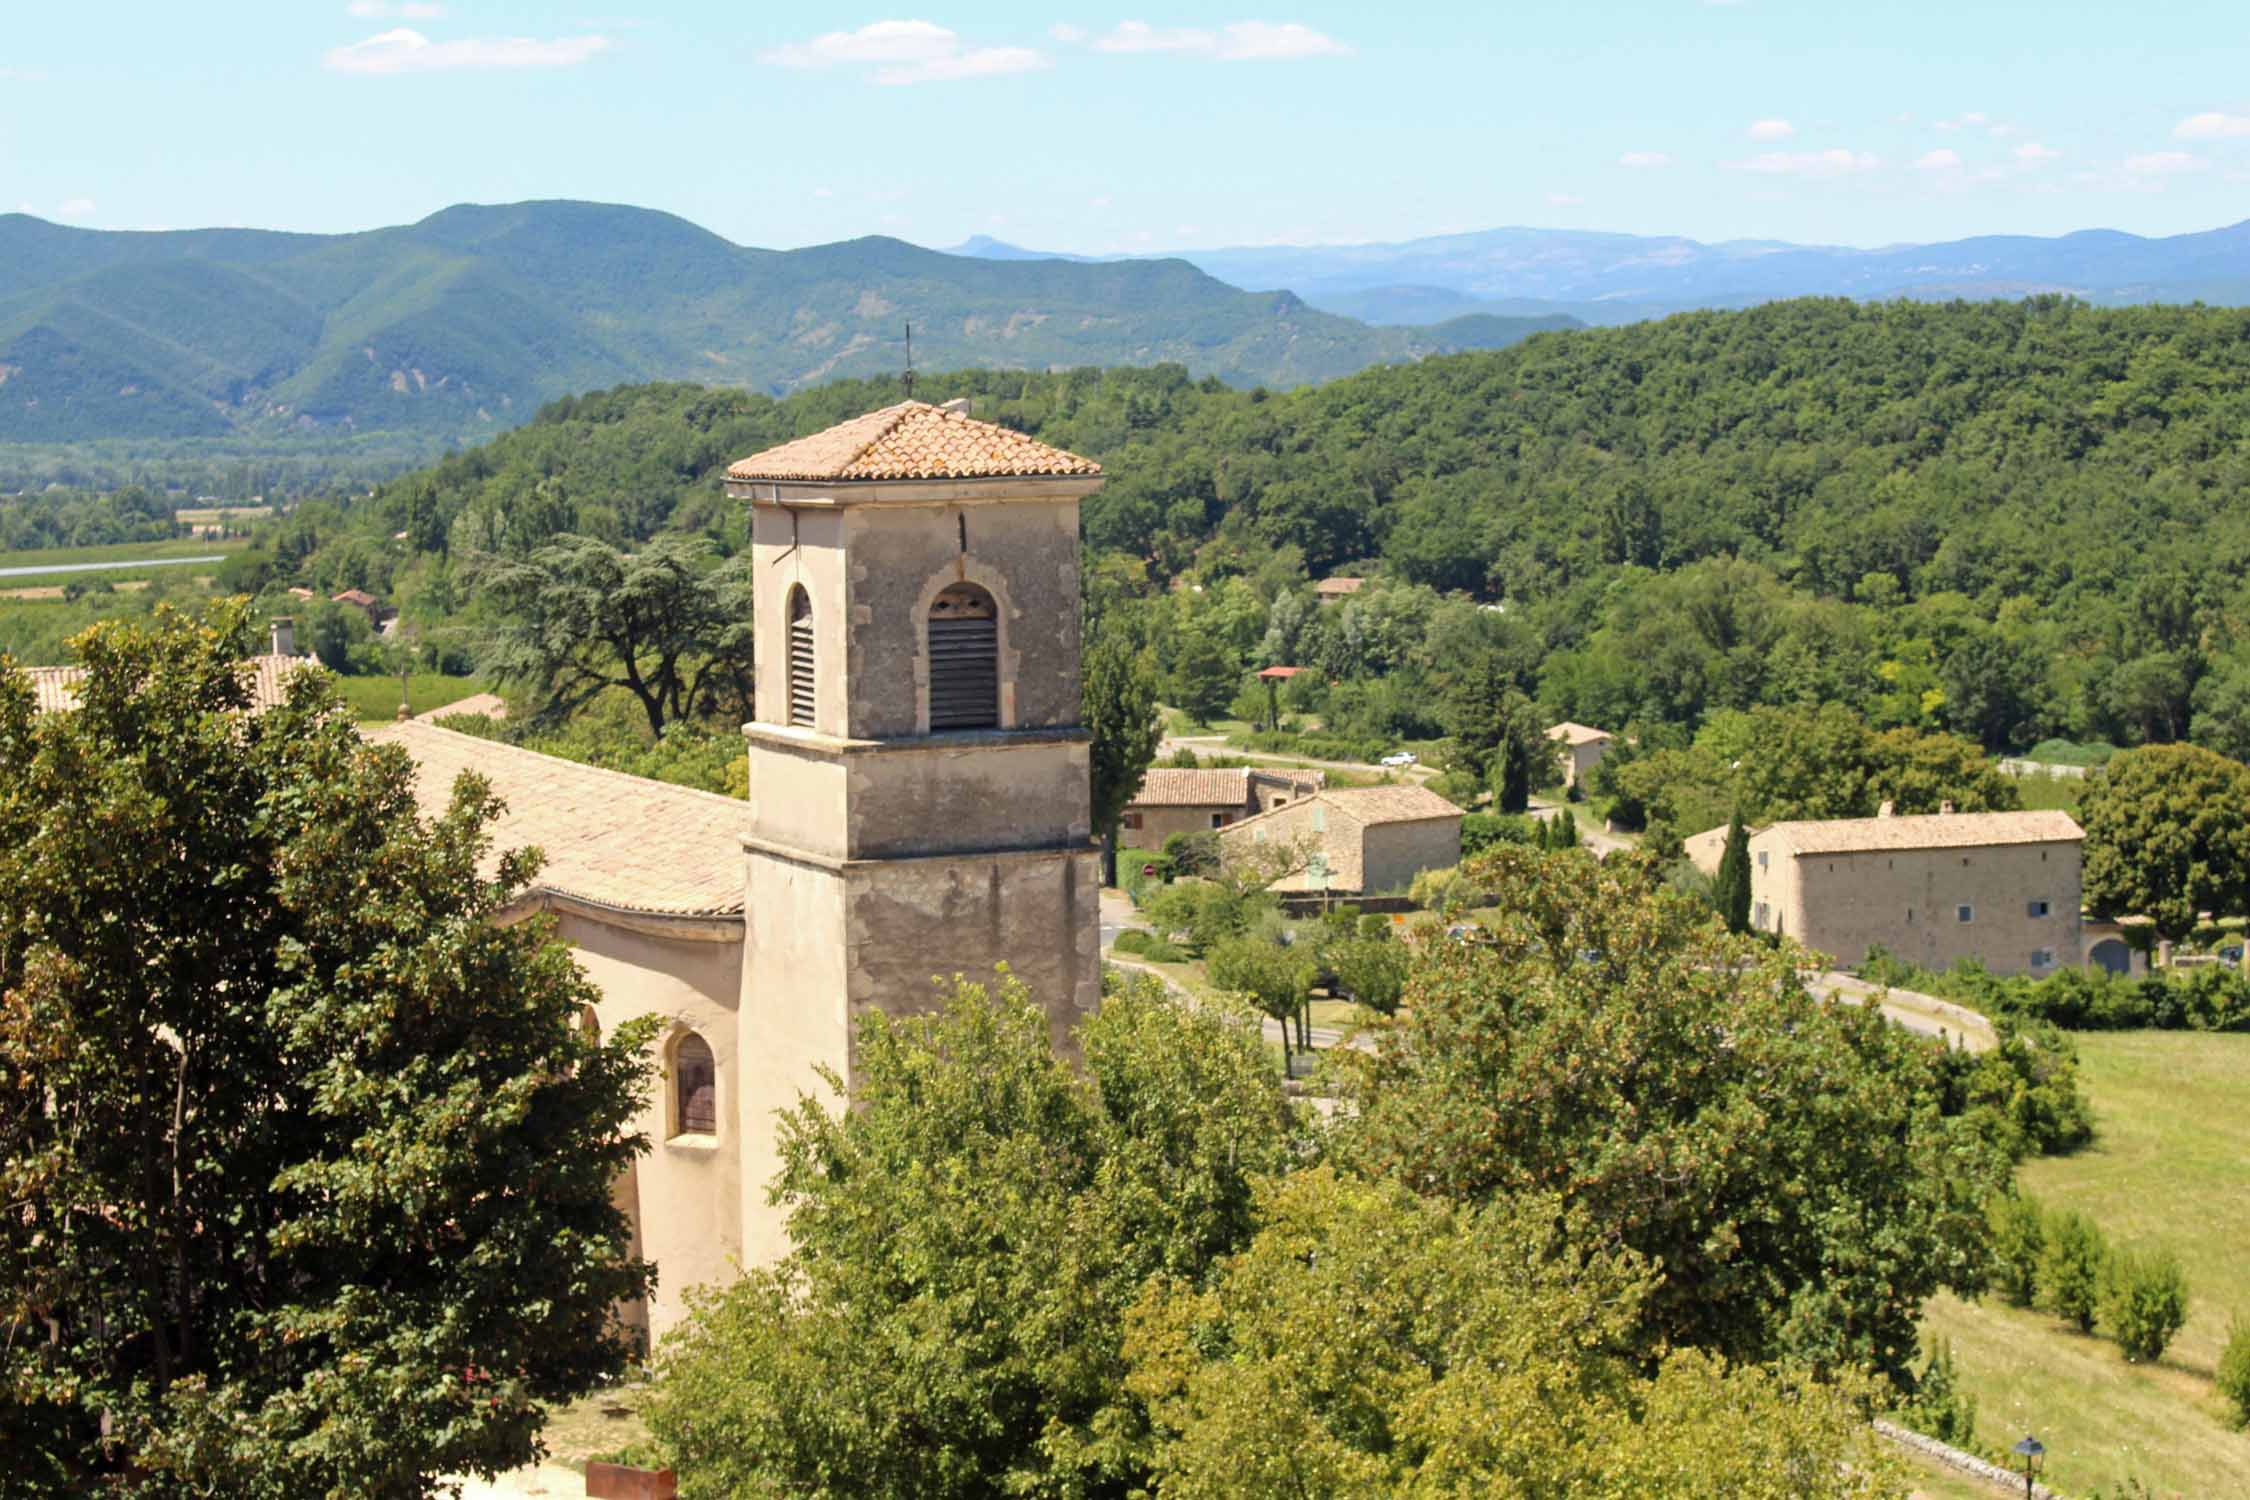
918,765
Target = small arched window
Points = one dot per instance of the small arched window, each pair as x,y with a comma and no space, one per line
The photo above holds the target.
695,1087
964,659
800,658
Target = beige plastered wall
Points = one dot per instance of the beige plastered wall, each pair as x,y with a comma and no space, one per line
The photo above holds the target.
1907,902
1392,854
686,1195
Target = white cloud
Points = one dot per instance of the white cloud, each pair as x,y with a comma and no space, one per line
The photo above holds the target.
1645,160
1770,130
903,52
1939,160
407,51
76,208
1100,201
2031,153
2211,125
1067,34
1963,121
1832,163
824,192
2161,163
21,75
1238,41
1565,200
411,10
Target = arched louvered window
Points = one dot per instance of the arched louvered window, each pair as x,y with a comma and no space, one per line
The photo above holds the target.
964,659
800,658
695,1087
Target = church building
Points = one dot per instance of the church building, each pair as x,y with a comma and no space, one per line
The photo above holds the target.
919,808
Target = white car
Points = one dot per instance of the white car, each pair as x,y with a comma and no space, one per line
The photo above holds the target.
1399,758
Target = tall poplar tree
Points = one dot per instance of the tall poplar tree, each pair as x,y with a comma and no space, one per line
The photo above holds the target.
1120,708
1730,889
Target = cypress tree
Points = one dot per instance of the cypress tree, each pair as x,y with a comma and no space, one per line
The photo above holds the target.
1730,891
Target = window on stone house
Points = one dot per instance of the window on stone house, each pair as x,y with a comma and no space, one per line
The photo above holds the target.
695,1087
800,658
1964,914
1132,820
1758,916
964,647
1219,820
2043,958
2039,908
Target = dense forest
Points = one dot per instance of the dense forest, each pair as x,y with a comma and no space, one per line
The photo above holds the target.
2016,521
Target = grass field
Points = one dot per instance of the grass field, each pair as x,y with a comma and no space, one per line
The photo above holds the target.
56,557
374,700
2171,1167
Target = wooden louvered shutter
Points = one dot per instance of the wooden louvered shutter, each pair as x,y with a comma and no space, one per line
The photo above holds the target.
696,1085
800,659
964,660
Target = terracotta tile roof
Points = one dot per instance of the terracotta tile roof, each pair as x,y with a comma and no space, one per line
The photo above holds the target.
360,597
913,440
617,840
1339,585
1577,734
1176,786
56,688
491,705
1924,831
1389,804
1284,673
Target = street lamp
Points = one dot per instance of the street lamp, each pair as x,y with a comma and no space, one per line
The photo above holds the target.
2031,1451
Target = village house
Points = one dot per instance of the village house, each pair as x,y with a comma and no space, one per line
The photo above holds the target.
1361,840
1175,799
1582,749
1337,590
2001,888
55,689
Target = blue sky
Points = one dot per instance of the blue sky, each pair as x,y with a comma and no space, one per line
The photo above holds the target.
1139,127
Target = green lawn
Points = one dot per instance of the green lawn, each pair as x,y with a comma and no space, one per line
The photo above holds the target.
55,557
2171,1167
374,700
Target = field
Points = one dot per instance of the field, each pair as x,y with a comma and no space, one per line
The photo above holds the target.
57,557
374,700
2171,1167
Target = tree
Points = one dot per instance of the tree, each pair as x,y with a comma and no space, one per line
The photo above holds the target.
579,617
1121,717
2144,1302
1372,970
1784,1161
1203,676
2234,1370
2168,836
1368,1342
309,1160
2019,1239
2070,1268
967,1238
1273,978
1730,890
1521,757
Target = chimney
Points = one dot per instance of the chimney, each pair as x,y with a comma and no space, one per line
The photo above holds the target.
284,636
958,406
1886,810
1945,808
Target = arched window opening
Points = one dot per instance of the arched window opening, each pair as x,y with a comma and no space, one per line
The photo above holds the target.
800,658
695,1087
964,659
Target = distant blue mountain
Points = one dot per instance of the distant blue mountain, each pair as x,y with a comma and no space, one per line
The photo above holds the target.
1617,278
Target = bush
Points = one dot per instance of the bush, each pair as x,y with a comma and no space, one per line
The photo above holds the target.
2019,1238
2144,1300
1317,746
2234,1369
1372,971
1480,831
2071,1264
1190,854
1939,1407
1132,940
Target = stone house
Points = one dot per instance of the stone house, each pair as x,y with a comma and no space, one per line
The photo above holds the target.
55,689
1175,799
2001,888
1365,839
919,808
1337,590
1582,749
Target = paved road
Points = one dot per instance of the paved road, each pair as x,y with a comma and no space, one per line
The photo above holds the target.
1924,1014
1216,745
1591,834
104,567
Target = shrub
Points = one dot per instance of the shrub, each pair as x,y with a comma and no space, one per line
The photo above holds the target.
2070,1268
1160,952
2144,1300
1132,940
1939,1408
1480,831
1191,854
2018,1238
2234,1369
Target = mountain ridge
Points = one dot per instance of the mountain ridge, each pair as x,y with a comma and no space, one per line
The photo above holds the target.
465,321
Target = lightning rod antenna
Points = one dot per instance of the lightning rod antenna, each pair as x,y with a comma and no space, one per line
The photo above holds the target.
910,360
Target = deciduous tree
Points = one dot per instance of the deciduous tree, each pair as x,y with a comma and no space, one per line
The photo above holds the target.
306,1156
2168,836
1121,716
